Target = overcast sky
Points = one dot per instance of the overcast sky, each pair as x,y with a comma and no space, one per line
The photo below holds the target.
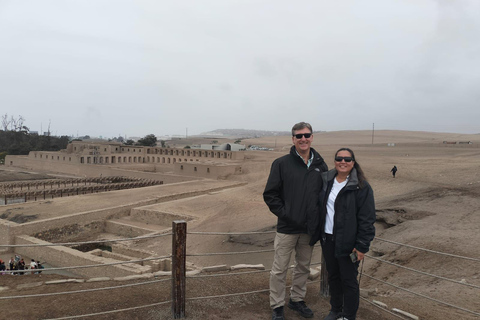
109,68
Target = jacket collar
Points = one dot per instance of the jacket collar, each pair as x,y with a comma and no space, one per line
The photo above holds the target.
352,181
317,158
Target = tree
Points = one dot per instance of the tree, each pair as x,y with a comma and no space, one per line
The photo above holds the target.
129,142
5,122
214,141
187,147
15,124
2,157
162,143
238,141
148,141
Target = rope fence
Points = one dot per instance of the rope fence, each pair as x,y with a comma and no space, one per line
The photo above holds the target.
227,253
232,233
422,272
178,279
84,291
239,293
383,309
112,311
423,296
67,244
428,250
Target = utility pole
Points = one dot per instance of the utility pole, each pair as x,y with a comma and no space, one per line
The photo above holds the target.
186,133
373,131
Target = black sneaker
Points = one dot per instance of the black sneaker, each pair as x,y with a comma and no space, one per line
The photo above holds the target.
333,315
301,308
277,314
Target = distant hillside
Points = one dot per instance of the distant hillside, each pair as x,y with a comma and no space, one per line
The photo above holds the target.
243,133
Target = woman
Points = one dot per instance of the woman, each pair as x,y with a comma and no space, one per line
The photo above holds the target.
346,230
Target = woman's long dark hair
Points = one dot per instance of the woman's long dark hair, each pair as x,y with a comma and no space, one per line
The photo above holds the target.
360,175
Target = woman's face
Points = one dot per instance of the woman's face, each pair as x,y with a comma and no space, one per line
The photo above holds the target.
343,166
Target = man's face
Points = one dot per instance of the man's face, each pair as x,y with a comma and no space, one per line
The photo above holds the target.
302,144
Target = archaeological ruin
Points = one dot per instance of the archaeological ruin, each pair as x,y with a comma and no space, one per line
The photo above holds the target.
101,192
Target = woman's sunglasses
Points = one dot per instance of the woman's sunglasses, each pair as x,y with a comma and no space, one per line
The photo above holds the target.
347,159
300,135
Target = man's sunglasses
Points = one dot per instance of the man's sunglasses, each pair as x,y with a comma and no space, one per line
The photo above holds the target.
300,135
347,159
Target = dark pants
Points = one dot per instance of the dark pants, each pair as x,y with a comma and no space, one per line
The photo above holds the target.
342,279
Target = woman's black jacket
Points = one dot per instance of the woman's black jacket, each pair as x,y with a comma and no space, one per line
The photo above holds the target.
354,215
292,192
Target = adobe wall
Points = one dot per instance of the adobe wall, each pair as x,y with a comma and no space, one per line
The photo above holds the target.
145,215
81,218
86,170
207,170
125,230
101,153
8,229
5,227
64,256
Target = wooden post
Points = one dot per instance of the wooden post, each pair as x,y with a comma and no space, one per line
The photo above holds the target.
324,287
179,246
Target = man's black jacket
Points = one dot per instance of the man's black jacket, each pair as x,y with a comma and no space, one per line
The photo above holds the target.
292,192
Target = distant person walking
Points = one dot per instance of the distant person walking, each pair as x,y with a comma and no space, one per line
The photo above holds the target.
291,194
394,170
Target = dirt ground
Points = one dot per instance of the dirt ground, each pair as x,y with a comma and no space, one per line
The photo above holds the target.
432,203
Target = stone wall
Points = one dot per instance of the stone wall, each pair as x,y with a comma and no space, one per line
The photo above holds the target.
64,256
207,170
89,170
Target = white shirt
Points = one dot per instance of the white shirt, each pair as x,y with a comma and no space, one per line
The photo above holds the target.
337,186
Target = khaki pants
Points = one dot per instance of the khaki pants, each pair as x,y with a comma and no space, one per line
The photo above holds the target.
284,245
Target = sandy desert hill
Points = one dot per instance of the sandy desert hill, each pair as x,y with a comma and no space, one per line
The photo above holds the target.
432,203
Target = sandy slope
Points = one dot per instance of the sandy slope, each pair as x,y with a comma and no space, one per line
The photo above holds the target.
433,203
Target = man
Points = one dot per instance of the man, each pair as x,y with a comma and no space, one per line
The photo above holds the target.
292,193
394,170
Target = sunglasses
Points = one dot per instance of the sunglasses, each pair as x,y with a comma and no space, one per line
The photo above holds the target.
347,159
300,135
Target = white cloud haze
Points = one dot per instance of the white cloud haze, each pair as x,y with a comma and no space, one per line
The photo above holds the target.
137,67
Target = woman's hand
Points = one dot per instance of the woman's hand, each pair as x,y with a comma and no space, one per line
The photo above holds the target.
360,255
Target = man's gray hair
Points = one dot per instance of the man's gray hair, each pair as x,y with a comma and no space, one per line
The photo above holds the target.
300,126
